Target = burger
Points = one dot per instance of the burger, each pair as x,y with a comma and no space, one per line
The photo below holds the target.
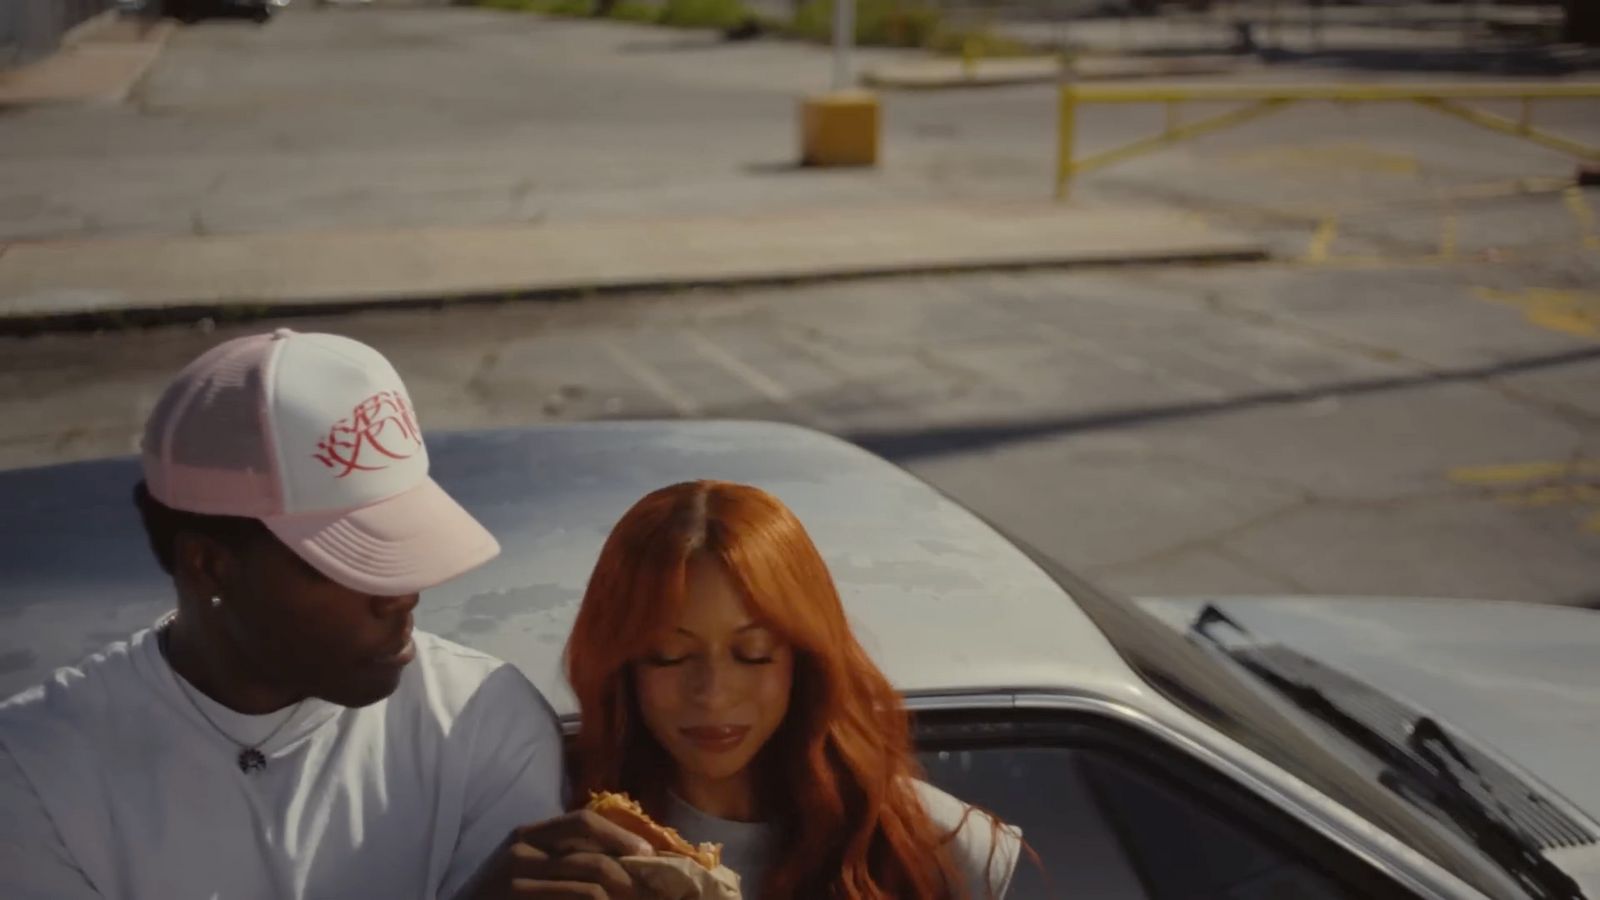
679,870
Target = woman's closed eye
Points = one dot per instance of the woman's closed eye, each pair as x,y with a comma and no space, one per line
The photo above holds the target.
756,650
761,654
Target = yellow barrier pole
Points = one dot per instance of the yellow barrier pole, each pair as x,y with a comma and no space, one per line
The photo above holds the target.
1270,98
1181,133
1064,140
1509,126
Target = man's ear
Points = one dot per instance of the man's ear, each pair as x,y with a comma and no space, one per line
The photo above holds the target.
202,563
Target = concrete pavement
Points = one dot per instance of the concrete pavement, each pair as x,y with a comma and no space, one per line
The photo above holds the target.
362,119
1258,429
1409,408
105,280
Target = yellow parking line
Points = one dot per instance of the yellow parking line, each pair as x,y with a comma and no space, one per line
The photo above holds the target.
1562,484
1578,205
1447,237
1554,495
1521,473
1327,231
1576,313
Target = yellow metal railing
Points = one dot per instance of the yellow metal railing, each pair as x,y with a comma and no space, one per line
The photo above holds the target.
1264,99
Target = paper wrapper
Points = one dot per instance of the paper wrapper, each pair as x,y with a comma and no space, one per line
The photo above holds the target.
668,877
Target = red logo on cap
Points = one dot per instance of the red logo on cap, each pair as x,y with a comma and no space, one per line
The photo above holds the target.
380,431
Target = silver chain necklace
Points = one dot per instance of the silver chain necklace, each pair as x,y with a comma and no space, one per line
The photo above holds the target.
250,758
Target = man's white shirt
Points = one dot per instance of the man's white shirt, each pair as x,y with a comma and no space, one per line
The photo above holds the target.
114,784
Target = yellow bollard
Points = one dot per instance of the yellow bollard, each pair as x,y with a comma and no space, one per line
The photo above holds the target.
839,128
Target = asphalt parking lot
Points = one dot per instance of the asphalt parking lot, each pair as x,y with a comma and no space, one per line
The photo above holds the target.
1254,429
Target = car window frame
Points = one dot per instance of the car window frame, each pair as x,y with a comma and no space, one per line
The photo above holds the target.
993,727
1184,674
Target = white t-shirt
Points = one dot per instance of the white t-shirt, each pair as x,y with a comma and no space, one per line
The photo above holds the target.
751,849
113,785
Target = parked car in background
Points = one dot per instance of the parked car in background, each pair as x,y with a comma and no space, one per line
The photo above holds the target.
1161,748
190,11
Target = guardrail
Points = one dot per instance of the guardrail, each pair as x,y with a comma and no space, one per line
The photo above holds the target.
1265,99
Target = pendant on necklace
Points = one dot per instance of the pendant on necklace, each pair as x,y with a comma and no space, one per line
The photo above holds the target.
251,760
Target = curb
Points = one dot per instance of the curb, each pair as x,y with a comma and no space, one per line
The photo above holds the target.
942,76
900,81
32,324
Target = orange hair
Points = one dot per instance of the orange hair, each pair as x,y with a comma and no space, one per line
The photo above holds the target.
838,773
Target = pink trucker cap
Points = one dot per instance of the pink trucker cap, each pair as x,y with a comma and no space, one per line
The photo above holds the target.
314,435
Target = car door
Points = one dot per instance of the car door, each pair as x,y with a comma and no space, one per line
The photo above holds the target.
1110,811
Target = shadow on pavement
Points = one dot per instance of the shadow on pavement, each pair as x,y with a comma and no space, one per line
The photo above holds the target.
732,37
776,167
911,445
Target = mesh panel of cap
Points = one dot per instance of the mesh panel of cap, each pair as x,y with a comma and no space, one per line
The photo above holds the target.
214,457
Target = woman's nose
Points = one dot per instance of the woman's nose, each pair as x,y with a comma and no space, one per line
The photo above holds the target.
711,685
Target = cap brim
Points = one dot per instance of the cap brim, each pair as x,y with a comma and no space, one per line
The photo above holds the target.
403,545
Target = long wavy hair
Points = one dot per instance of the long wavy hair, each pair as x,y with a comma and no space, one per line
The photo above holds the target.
837,776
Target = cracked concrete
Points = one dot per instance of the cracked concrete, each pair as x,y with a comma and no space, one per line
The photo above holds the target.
1254,429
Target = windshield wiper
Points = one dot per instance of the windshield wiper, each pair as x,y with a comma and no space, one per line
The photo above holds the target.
1427,759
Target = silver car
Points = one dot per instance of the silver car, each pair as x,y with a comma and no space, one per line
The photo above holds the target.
1164,748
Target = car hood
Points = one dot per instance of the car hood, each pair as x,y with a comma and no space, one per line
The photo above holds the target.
1521,681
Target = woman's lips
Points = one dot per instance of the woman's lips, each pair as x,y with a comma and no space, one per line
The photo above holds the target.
716,738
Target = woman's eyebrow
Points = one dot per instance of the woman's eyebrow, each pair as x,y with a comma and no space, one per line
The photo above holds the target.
748,626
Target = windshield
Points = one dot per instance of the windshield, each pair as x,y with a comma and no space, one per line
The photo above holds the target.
1215,692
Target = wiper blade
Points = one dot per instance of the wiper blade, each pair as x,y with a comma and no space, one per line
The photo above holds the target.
1428,760
1492,829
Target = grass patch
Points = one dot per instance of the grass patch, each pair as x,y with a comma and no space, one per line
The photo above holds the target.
547,7
632,11
879,23
979,42
703,13
674,13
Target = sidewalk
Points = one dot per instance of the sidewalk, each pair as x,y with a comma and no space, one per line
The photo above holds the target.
60,283
99,63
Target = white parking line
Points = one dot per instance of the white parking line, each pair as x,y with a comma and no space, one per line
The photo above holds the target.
652,380
714,353
1030,321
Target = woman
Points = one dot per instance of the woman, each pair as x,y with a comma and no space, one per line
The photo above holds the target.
720,685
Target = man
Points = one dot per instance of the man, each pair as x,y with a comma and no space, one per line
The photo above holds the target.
285,733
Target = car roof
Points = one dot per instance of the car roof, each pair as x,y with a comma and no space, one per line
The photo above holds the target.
941,600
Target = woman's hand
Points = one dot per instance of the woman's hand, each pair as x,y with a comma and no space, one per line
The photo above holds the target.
568,857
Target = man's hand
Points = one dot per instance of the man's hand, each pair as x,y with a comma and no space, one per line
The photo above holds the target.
568,857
